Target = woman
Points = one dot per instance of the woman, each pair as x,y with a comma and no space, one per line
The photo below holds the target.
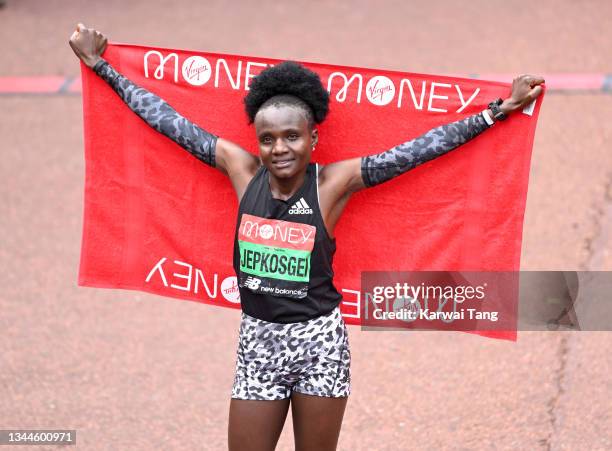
293,346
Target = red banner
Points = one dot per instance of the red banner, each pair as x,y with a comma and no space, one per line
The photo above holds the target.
158,220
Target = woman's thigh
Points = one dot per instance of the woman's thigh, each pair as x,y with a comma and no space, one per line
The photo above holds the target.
256,425
316,421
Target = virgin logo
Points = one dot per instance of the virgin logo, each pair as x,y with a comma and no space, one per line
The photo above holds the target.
229,289
266,231
196,70
380,90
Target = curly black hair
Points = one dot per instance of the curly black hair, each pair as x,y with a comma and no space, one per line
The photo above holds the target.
288,83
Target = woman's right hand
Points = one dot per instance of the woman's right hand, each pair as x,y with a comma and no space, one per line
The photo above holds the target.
88,44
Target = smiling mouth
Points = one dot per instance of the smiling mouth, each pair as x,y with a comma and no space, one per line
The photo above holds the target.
282,163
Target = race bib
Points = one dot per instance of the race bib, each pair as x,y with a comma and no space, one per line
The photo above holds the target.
275,256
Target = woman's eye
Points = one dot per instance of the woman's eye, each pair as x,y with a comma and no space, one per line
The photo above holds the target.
293,136
266,140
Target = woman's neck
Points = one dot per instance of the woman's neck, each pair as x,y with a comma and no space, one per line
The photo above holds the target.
284,188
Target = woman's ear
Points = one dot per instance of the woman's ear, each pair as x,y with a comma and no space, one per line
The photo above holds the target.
315,137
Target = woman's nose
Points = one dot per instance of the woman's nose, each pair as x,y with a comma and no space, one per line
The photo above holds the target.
279,146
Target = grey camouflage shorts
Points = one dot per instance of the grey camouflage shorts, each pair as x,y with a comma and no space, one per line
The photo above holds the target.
311,357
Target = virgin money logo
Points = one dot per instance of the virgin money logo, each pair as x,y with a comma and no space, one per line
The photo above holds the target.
380,90
196,70
417,93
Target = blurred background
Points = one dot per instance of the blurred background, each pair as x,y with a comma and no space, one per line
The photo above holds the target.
135,371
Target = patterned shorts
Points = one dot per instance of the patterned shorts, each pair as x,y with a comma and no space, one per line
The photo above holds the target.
311,357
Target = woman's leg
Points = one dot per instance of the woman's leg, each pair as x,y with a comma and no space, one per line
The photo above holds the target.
319,398
316,421
256,425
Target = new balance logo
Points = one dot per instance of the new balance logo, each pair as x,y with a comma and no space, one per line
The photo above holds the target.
252,282
300,208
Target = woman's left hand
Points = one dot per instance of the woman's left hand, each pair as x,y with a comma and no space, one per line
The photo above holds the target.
525,89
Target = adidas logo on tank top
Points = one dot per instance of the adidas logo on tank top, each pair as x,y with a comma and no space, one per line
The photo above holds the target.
300,208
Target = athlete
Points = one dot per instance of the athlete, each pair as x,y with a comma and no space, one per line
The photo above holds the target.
293,347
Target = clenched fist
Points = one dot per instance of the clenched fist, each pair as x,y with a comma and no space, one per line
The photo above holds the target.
525,89
88,44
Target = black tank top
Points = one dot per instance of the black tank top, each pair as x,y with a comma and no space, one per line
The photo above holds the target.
283,254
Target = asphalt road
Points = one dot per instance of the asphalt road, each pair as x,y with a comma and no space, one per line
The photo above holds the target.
135,371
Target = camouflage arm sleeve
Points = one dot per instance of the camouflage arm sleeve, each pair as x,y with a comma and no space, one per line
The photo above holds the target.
160,115
384,166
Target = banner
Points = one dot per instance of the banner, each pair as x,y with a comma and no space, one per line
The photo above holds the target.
158,220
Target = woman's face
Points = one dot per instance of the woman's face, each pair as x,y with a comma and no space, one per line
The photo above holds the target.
285,139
